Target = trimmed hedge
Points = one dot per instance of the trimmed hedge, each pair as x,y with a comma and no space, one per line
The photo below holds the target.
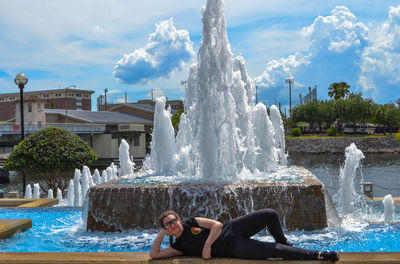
296,132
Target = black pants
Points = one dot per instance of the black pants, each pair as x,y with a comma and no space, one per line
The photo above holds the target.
248,225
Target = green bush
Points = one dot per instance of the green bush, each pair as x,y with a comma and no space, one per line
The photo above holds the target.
332,132
296,132
397,136
51,155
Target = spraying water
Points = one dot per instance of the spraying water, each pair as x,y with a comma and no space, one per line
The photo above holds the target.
348,194
126,164
77,188
50,194
36,191
59,196
279,134
28,192
71,195
223,136
389,209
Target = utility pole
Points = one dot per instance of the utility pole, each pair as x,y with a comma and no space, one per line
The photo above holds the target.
126,98
290,82
300,100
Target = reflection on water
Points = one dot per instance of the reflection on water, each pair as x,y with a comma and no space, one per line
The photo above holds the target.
383,170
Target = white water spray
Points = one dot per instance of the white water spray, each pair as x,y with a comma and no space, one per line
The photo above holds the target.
279,134
28,192
70,194
77,188
348,194
125,162
222,135
50,194
389,209
36,191
59,196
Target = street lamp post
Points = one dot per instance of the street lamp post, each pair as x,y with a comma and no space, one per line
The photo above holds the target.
21,81
290,82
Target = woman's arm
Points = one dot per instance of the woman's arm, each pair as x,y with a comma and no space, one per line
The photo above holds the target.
215,228
156,252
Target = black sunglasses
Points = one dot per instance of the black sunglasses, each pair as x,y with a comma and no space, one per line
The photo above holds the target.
171,222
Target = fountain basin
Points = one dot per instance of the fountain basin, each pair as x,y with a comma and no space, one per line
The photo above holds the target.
300,205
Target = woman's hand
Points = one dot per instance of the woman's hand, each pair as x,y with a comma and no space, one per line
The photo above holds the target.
162,232
206,252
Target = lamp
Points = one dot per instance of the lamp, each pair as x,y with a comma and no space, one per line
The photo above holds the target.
21,80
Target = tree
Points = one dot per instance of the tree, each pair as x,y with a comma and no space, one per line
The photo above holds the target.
50,155
338,90
353,109
392,116
176,118
380,115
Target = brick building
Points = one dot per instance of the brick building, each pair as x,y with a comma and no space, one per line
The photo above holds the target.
71,99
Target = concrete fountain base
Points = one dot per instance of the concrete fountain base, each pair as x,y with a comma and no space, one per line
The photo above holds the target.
300,205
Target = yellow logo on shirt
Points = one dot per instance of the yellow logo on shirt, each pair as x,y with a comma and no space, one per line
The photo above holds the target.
195,230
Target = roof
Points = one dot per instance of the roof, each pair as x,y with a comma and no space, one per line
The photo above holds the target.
102,117
49,91
149,108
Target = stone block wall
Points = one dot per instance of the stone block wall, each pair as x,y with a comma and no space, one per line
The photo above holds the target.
115,208
338,145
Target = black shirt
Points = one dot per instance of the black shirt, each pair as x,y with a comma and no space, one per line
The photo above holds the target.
192,239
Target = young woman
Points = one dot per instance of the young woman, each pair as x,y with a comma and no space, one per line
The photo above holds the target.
209,238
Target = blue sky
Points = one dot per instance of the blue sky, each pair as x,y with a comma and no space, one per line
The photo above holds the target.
134,47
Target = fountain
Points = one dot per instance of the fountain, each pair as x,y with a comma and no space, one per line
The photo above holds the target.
221,161
36,191
50,194
28,192
389,209
348,193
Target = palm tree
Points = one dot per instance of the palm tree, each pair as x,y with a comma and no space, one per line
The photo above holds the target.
338,90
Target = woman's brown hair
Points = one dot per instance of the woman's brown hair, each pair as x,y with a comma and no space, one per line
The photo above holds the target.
161,218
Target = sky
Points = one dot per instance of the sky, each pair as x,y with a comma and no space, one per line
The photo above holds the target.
139,46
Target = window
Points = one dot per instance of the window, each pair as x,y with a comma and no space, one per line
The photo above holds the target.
78,95
39,108
29,107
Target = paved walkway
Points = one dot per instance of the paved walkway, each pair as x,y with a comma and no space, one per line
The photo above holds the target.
136,258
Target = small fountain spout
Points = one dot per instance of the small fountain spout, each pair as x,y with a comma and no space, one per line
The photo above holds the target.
389,209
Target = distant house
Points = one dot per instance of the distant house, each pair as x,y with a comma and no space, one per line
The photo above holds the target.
117,126
102,130
66,98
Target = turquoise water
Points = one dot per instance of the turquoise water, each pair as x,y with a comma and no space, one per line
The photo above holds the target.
61,230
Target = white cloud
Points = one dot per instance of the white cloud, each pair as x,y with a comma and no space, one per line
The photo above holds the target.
156,93
278,70
337,42
336,33
167,50
98,29
380,61
113,91
120,100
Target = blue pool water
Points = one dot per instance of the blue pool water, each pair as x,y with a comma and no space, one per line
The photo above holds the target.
61,230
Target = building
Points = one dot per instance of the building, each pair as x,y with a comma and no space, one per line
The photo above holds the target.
66,98
105,130
102,106
102,130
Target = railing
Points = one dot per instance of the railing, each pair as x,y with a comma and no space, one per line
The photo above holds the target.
15,128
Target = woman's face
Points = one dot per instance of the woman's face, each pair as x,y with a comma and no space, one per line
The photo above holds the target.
173,225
